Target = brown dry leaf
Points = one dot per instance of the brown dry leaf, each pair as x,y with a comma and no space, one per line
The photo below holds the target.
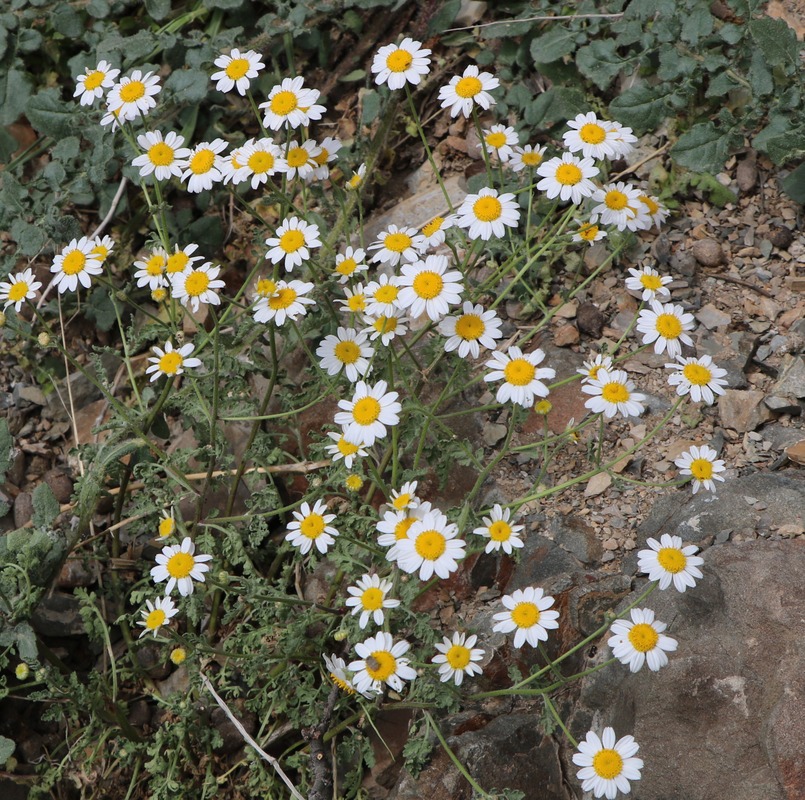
797,452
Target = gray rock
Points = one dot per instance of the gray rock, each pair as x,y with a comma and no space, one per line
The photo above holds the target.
573,534
708,252
792,377
493,433
712,318
58,615
26,396
783,405
23,509
743,410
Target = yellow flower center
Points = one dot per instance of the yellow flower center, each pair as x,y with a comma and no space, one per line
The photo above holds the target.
433,226
100,251
312,526
615,200
428,284
160,154
353,482
399,60
701,469
366,411
385,324
386,293
18,291
671,559
402,527
468,87
607,764
180,565
470,327
237,68
487,209
496,139
170,362
341,684
261,162
568,174
166,527
590,133
401,501
282,103
159,294
354,182
177,262
668,326
357,303
132,91
397,242
178,655
652,282
347,448
524,615
543,407
614,392
653,207
347,352
430,545
643,637
458,656
94,80
266,287
589,233
372,599
73,262
292,240
282,299
155,265
297,157
519,372
346,267
155,619
531,158
500,531
202,162
321,158
697,374
381,665
197,283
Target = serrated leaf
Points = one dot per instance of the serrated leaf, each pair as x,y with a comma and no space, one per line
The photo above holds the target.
640,107
188,85
558,104
557,42
698,23
704,148
7,747
15,89
46,506
776,41
794,185
599,62
48,114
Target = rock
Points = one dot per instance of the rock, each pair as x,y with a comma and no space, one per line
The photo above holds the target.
781,237
783,405
60,484
728,711
573,534
151,656
792,377
178,682
598,484
708,252
232,738
743,410
23,509
493,433
26,396
590,320
74,573
589,603
712,318
58,614
796,452
566,335
746,173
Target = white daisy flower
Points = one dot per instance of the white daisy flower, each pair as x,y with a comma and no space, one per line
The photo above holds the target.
588,232
166,157
18,288
204,165
150,271
698,377
357,178
701,464
595,138
405,497
641,641
649,283
344,448
237,71
197,285
522,381
133,96
327,150
395,244
607,766
488,214
433,234
368,598
179,566
526,157
665,324
301,159
381,661
261,160
567,178
472,329
290,102
401,64
656,212
589,369
76,264
171,362
668,562
393,527
102,246
311,526
617,203
432,547
621,137
367,414
383,296
292,241
527,612
287,301
638,219
91,84
350,263
501,533
468,90
181,259
613,393
354,300
499,140
156,614
346,350
234,168
167,524
458,657
385,327
111,117
428,288
339,674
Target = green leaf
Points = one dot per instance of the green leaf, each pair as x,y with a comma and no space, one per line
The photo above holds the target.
188,85
506,29
698,23
704,148
48,114
444,17
66,149
599,62
355,75
46,506
640,107
780,141
720,85
674,64
8,146
30,238
7,747
158,9
101,309
558,104
225,4
28,40
370,106
551,46
648,9
25,641
794,185
15,89
66,21
6,446
98,8
759,75
776,41
732,34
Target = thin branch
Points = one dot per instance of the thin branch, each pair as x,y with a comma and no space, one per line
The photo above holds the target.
537,19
